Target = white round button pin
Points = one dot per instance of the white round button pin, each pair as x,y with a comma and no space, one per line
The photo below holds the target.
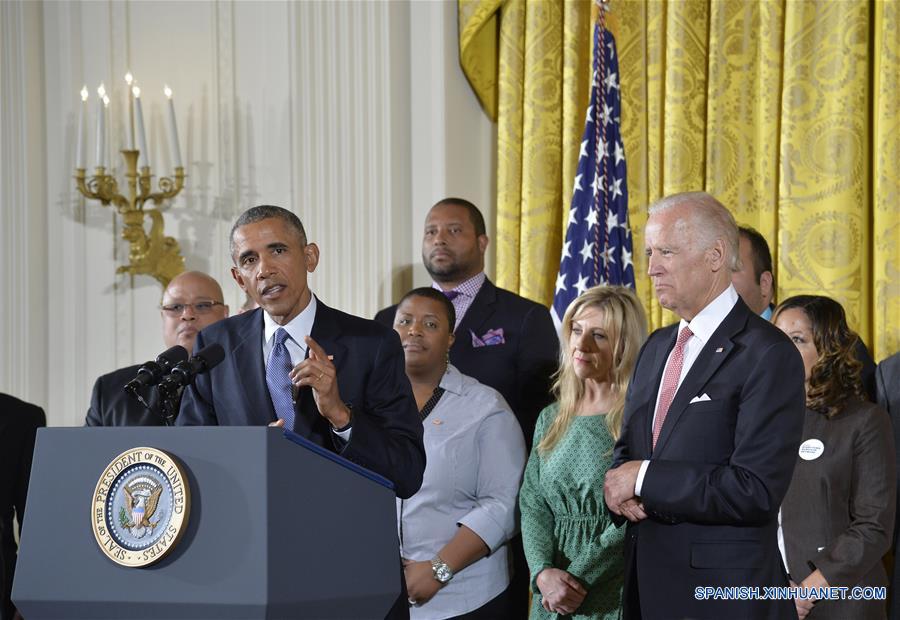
811,449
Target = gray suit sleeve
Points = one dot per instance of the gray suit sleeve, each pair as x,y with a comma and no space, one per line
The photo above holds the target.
881,390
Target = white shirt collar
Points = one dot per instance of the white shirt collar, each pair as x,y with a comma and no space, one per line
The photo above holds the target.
300,326
708,320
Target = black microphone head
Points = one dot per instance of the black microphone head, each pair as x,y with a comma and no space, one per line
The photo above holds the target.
184,372
170,357
152,372
148,374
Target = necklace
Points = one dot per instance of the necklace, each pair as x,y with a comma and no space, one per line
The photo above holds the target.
432,402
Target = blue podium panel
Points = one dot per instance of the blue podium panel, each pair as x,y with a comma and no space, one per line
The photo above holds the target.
276,529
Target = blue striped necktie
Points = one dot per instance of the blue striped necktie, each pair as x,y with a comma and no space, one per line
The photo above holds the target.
279,381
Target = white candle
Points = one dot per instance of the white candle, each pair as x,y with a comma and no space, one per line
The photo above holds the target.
129,131
105,120
101,124
79,151
173,130
141,136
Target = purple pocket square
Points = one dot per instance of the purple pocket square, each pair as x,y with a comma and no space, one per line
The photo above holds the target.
490,338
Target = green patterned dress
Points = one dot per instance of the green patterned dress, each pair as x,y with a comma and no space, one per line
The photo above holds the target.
565,523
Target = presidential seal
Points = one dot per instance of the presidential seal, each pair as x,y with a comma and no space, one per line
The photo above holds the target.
140,507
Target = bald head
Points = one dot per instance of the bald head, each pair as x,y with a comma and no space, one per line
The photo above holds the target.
192,301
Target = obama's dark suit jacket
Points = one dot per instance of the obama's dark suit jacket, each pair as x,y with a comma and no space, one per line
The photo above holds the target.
371,377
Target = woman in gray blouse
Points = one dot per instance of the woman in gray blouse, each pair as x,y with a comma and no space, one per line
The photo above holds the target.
453,532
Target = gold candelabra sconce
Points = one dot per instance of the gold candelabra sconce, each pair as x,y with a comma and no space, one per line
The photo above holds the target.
152,253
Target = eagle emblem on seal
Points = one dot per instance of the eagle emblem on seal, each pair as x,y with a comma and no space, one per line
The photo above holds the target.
140,506
141,501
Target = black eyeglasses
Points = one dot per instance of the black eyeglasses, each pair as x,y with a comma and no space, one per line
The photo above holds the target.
201,307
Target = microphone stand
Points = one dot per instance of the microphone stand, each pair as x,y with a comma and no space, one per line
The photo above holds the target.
164,408
182,375
169,401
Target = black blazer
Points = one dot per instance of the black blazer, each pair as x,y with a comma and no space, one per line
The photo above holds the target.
867,372
19,422
719,471
887,388
111,406
371,375
521,367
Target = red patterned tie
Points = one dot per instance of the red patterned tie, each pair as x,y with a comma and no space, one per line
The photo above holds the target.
670,381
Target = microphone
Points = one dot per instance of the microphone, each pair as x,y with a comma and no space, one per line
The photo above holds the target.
184,372
152,372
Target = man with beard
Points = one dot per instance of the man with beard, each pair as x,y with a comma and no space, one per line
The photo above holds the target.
191,301
503,340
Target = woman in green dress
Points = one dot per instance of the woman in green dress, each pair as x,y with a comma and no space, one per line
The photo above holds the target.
573,549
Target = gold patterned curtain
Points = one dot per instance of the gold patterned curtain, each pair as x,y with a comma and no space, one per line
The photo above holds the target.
787,111
529,63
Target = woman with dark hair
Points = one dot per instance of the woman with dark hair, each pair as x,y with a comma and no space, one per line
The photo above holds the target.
574,550
837,518
454,530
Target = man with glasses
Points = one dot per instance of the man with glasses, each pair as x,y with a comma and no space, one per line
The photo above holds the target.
191,302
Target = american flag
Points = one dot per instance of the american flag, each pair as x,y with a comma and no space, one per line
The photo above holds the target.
597,249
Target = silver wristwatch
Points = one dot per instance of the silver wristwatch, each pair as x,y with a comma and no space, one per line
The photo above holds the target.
440,570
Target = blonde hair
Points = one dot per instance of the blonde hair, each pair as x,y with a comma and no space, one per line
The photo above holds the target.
626,328
710,221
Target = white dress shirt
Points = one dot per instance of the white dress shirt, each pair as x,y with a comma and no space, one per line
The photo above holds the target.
298,328
702,327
